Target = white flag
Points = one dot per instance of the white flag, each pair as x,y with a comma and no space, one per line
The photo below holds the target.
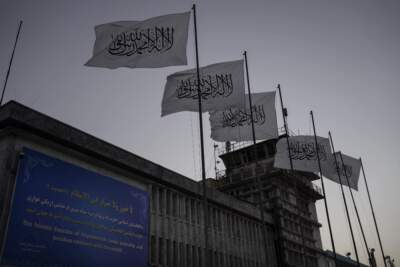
303,153
351,168
152,43
221,85
234,124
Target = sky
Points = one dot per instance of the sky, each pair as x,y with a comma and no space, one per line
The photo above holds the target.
340,59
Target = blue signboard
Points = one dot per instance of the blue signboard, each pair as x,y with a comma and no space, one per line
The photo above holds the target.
64,215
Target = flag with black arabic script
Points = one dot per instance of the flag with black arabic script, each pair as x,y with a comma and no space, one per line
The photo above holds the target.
234,124
152,43
221,87
303,153
351,168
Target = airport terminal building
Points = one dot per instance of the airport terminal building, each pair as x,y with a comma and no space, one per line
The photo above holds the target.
63,189
71,199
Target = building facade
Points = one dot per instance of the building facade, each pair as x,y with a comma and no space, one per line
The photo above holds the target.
289,196
175,211
176,225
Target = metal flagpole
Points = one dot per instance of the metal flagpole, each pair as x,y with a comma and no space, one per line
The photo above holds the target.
323,189
9,65
344,200
355,206
284,115
203,169
373,213
257,180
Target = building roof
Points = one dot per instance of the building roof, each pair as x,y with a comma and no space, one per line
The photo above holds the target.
16,115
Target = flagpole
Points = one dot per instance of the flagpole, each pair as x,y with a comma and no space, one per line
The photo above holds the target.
345,202
284,115
10,64
355,207
257,180
323,190
373,214
203,169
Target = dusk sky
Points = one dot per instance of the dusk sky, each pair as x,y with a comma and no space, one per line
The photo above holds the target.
339,58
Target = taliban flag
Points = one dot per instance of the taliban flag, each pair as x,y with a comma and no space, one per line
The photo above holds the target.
351,169
234,124
152,43
303,153
221,87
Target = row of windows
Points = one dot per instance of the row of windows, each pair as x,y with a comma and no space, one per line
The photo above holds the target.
177,233
296,253
178,254
296,215
295,258
166,202
311,262
296,227
308,232
246,156
249,192
290,225
292,236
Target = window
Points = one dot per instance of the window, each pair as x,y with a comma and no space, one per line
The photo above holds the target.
175,254
214,216
194,256
168,244
198,211
153,198
236,160
160,201
250,155
200,256
181,203
168,204
219,220
229,224
261,152
188,255
193,211
174,205
153,249
187,209
244,157
271,149
181,254
160,251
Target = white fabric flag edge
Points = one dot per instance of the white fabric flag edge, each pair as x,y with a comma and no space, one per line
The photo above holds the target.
169,105
266,131
281,159
130,25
